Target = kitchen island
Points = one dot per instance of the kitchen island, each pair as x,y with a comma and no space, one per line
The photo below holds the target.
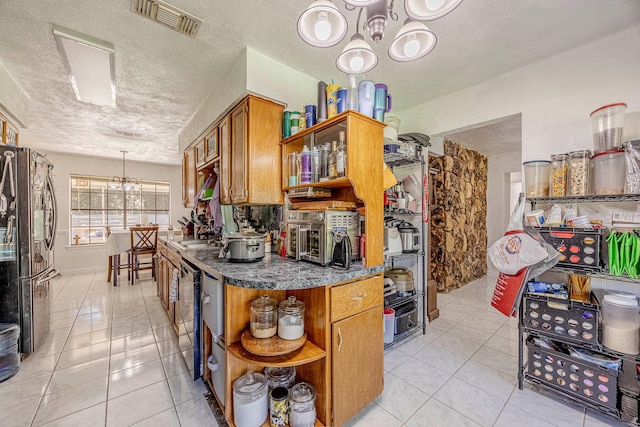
343,354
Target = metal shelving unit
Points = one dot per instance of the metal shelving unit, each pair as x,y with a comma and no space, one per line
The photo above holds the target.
400,160
629,403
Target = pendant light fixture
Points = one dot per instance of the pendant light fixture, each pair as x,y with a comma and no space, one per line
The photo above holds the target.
357,57
323,25
413,41
124,182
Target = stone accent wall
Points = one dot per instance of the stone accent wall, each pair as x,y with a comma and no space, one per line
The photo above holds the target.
459,222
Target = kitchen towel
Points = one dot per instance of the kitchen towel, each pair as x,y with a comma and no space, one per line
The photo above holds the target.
173,295
216,209
206,185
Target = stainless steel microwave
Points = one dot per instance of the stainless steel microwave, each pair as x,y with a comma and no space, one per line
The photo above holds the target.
310,234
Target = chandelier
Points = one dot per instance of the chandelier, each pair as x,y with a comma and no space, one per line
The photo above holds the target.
323,25
124,182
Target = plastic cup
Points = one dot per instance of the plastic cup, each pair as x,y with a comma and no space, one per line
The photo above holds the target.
536,178
607,123
389,324
332,100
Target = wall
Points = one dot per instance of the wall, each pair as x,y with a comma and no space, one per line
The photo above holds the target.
13,100
71,258
458,224
555,96
253,73
498,187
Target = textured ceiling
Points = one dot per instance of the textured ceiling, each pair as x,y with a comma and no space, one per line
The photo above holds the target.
495,137
163,76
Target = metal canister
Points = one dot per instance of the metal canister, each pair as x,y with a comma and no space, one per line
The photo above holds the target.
286,125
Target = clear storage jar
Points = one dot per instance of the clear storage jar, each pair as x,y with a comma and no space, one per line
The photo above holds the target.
291,319
280,376
621,323
608,172
264,317
250,400
579,172
607,123
302,405
536,178
559,169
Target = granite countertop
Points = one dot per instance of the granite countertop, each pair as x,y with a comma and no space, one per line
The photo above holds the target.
273,272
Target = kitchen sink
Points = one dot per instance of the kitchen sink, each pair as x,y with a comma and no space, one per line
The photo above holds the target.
196,244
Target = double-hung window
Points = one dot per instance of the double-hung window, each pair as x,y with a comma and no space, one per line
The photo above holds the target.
94,206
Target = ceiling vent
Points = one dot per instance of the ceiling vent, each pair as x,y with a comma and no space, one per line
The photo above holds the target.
168,15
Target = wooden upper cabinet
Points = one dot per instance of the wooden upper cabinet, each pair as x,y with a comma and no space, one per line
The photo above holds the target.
211,145
224,143
256,159
189,177
200,153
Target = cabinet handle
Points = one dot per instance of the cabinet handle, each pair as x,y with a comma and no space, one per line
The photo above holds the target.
339,339
359,297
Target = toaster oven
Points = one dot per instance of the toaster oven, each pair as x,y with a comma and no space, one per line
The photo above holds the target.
310,234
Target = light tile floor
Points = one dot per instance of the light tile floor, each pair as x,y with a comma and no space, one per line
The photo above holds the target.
111,359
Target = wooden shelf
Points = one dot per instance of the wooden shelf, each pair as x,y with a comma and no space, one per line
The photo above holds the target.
308,353
334,183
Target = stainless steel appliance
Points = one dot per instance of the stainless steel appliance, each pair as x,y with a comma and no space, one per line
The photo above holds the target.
245,246
27,233
189,335
213,318
310,234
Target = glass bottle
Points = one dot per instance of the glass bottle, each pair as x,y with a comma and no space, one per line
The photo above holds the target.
305,166
302,405
333,160
291,319
559,174
341,161
278,407
264,317
315,165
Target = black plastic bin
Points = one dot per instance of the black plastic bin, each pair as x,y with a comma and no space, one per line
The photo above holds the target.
9,356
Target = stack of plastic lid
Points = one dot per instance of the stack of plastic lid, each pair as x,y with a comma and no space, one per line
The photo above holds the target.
9,356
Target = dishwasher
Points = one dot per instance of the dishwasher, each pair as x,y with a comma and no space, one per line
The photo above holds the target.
189,334
213,318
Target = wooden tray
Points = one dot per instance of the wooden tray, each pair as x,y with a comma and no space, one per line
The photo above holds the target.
273,346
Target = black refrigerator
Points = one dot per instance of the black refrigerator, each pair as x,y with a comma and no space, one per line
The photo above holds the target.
27,233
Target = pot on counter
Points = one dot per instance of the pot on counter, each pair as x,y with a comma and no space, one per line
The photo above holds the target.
245,246
410,237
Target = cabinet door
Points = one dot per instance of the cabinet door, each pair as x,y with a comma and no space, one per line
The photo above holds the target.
211,145
239,154
357,363
224,139
200,153
188,177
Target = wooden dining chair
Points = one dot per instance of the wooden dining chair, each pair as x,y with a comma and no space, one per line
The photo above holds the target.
144,241
116,259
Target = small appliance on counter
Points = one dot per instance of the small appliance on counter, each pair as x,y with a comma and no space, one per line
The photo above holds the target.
341,250
392,240
245,246
310,234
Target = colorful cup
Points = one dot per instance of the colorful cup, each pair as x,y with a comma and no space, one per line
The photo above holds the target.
332,100
310,114
295,122
286,125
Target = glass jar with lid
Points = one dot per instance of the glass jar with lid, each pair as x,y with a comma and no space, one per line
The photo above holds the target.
579,172
559,169
250,400
291,319
264,317
280,376
302,405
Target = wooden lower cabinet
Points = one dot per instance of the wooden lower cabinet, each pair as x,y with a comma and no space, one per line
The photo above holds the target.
357,364
164,278
343,359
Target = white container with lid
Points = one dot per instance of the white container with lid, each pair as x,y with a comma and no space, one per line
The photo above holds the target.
621,323
302,405
607,123
536,178
291,319
608,171
250,400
